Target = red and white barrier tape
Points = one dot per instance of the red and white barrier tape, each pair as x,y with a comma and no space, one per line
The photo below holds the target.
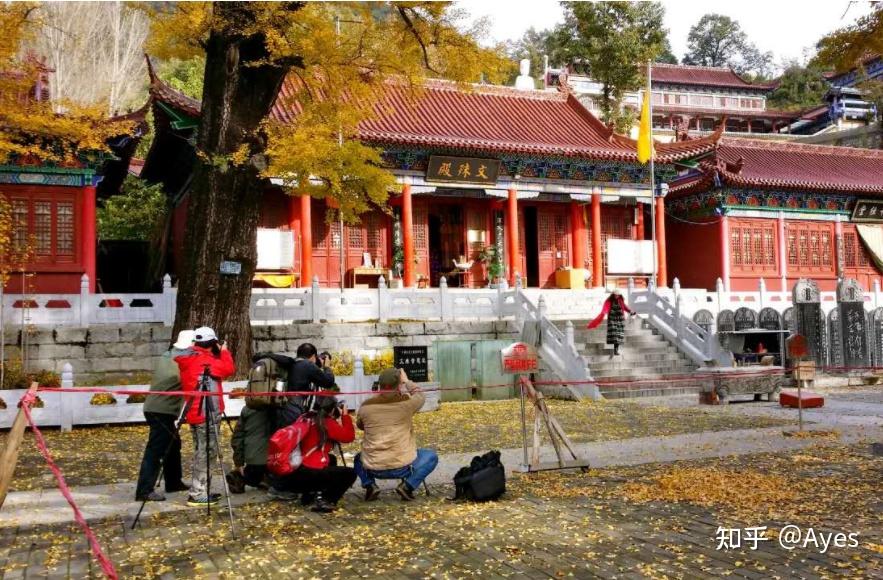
103,560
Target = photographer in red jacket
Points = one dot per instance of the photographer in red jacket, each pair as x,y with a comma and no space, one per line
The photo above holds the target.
319,476
206,353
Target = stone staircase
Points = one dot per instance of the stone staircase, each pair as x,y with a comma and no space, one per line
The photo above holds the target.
646,355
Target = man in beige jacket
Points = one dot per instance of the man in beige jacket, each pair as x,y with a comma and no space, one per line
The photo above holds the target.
389,447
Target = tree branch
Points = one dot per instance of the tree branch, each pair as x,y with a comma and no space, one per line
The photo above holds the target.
403,12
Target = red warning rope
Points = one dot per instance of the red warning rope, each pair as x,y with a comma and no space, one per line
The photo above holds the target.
103,560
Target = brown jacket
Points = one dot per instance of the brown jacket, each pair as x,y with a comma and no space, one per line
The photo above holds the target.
387,419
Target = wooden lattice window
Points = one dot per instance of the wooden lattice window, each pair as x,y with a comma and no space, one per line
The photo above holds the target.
43,228
826,249
355,237
792,248
420,227
374,231
803,248
334,233
854,252
546,233
814,248
47,226
64,230
320,232
753,247
20,223
736,247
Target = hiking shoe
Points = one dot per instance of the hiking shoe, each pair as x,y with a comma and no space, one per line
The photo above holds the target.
372,492
204,500
405,491
176,487
152,496
323,507
235,482
307,498
274,493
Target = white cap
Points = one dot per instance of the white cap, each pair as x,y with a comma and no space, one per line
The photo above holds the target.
204,334
185,339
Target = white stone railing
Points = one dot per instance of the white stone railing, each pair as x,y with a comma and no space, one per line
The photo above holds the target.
290,305
66,410
700,345
555,347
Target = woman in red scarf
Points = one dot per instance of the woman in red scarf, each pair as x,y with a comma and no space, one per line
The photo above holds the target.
615,309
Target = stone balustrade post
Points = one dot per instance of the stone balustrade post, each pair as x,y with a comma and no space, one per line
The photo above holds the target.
67,401
630,289
568,334
876,294
169,301
382,300
316,300
719,290
679,324
541,307
85,302
518,284
444,297
676,288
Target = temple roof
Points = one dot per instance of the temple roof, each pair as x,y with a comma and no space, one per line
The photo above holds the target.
710,76
791,166
729,113
479,118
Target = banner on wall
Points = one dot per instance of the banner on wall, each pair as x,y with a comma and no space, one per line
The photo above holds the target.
629,256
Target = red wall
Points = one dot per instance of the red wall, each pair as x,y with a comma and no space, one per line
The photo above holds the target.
693,252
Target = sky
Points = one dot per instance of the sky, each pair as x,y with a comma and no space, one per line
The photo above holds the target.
785,27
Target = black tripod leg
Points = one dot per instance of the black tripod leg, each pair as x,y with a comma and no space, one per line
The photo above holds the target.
224,479
162,468
342,458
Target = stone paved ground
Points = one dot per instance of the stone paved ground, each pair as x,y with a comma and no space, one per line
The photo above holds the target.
653,520
105,455
608,523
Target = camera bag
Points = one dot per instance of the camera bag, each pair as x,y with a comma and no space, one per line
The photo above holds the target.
484,479
268,370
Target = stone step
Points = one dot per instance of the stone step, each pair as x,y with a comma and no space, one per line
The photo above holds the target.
637,356
648,390
601,349
640,372
615,363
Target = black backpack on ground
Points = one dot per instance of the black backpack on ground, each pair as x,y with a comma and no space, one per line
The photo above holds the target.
483,480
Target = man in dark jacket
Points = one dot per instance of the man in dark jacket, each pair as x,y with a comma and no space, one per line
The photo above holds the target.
163,450
249,442
308,373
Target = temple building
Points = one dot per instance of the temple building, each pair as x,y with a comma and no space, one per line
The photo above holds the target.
531,174
778,211
691,98
536,178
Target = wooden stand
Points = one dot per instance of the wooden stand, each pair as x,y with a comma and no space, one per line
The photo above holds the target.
560,440
10,452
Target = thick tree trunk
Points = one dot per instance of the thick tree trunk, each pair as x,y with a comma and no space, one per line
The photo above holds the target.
225,198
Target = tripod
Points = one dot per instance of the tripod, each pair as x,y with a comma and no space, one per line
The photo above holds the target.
210,412
162,461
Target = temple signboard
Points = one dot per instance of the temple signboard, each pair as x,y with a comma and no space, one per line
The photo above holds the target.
868,211
442,168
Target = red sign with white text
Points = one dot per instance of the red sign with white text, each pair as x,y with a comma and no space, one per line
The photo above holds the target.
519,357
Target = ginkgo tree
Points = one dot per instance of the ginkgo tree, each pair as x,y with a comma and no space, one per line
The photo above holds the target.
335,60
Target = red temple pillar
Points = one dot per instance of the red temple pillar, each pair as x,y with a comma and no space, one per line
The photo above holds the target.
639,221
725,252
306,240
89,240
294,227
578,227
512,233
408,278
597,262
662,270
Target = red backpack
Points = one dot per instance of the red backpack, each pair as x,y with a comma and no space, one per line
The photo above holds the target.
283,451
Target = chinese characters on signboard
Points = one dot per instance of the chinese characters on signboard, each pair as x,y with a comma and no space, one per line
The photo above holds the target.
462,170
868,210
414,360
519,357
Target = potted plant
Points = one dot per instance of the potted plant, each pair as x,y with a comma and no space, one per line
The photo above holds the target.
492,259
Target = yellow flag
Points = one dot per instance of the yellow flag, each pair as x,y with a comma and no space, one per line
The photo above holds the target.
645,130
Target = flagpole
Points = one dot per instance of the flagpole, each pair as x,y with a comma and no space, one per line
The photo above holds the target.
649,97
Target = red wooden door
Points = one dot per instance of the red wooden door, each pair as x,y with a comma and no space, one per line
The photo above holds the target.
326,246
553,241
421,237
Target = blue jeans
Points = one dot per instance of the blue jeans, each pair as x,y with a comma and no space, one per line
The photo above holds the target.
413,474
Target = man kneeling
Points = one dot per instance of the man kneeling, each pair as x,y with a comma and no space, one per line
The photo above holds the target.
389,447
